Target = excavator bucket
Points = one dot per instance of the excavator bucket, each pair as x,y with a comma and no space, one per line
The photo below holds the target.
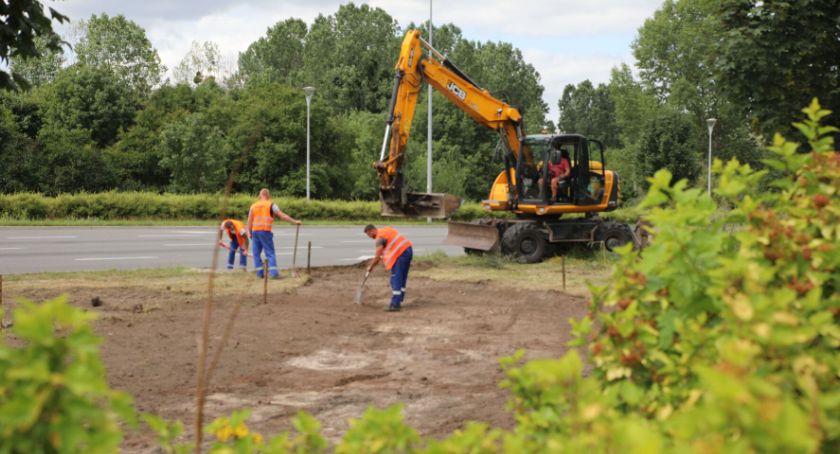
473,236
423,205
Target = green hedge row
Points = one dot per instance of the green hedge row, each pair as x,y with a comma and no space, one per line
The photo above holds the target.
153,206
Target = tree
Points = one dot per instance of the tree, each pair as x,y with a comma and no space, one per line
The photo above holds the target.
90,99
278,56
266,127
589,111
675,50
121,46
21,169
775,56
41,69
350,57
137,156
204,60
21,23
362,132
196,153
670,141
72,162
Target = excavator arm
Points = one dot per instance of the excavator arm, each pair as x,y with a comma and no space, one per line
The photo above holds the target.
412,69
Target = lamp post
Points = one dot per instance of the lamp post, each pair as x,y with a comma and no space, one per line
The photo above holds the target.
429,135
308,91
711,123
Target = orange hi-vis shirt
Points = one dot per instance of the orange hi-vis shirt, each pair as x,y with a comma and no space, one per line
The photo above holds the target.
263,217
395,245
238,228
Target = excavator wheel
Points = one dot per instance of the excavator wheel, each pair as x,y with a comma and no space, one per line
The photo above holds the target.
614,235
525,241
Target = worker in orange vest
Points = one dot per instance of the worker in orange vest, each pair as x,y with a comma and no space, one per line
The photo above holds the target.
396,252
239,239
260,218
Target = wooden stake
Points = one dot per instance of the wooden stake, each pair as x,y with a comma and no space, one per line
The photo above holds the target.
294,253
265,281
604,253
563,264
2,314
308,256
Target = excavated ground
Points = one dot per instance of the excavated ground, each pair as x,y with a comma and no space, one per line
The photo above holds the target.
310,348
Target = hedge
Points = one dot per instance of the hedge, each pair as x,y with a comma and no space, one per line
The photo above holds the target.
152,206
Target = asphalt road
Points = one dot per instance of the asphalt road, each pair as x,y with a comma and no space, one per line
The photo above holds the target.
42,249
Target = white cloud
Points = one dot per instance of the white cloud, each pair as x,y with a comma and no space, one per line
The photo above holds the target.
567,41
558,70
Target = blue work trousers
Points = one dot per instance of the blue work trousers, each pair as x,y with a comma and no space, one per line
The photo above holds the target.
263,240
234,247
399,277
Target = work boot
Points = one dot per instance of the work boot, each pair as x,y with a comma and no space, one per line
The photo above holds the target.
392,308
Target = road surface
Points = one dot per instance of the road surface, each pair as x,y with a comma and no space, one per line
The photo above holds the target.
43,249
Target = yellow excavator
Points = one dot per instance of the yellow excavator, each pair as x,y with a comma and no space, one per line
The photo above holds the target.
537,226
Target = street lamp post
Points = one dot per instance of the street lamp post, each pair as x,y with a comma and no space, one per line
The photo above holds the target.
308,91
711,123
429,135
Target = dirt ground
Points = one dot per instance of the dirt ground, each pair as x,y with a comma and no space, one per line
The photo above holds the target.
310,348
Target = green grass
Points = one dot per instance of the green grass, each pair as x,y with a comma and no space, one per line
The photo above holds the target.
582,268
177,281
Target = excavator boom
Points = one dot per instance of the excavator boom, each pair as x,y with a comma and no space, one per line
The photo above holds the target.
413,68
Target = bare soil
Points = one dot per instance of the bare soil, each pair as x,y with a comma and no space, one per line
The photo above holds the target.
310,348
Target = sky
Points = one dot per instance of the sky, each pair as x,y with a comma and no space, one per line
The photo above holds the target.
567,41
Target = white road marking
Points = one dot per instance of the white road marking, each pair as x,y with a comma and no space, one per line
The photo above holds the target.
188,244
87,259
45,237
159,236
10,248
361,257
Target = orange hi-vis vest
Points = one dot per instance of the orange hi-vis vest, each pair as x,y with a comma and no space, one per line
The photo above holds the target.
238,227
395,245
263,217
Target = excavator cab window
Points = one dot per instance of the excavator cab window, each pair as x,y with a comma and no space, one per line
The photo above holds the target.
539,148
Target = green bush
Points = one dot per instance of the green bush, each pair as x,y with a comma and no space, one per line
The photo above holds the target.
151,206
53,392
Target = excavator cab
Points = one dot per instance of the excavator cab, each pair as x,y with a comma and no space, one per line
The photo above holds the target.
585,166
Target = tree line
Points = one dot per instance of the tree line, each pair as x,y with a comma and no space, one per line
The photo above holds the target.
111,120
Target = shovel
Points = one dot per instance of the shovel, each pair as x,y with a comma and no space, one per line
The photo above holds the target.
360,290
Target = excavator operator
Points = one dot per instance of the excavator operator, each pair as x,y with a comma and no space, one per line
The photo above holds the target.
559,169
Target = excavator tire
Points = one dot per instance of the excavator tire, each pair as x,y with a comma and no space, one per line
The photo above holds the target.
614,235
525,241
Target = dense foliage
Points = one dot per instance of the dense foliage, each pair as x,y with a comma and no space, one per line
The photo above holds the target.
107,122
110,122
53,393
23,23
